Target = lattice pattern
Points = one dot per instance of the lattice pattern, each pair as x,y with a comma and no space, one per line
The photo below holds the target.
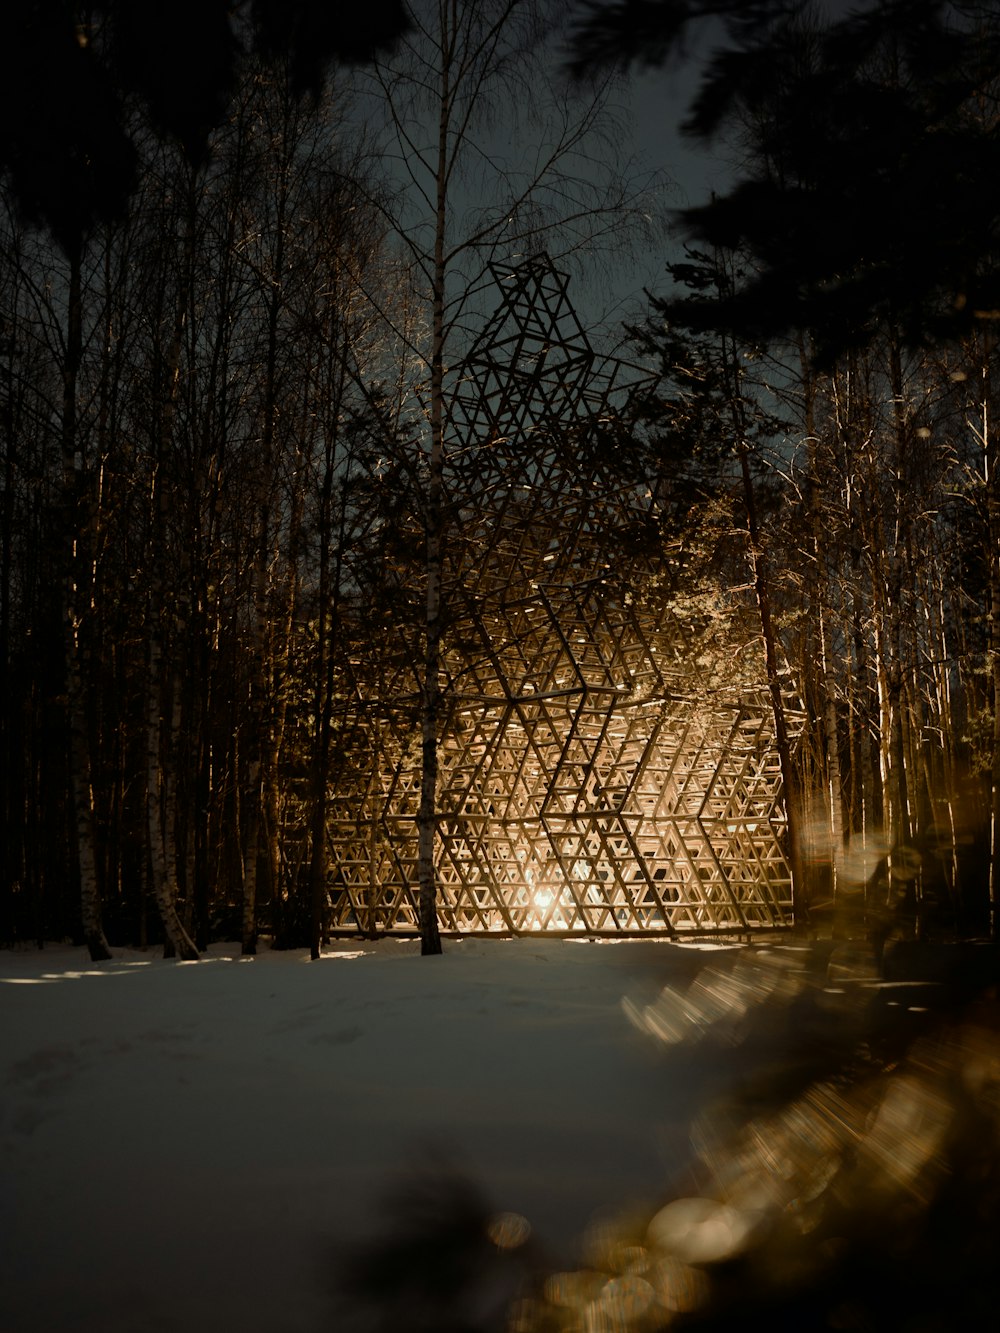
588,780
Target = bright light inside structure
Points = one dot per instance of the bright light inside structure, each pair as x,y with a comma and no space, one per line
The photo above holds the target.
541,899
551,901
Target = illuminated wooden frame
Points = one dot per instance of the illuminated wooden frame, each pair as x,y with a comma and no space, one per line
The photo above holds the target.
589,783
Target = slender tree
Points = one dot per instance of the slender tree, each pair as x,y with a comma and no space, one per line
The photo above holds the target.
466,198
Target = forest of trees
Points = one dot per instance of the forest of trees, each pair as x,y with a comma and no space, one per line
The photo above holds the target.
223,403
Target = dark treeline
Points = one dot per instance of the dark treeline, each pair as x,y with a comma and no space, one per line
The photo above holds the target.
211,416
193,423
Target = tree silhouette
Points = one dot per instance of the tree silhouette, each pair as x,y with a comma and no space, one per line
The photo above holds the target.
860,203
71,74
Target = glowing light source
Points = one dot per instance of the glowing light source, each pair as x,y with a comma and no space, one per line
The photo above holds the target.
701,1231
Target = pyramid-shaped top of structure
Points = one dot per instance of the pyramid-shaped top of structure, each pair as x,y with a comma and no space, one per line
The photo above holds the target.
532,366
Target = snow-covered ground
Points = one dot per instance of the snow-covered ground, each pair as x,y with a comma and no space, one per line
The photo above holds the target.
185,1146
201,1146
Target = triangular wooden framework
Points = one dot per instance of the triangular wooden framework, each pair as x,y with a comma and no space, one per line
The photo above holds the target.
589,783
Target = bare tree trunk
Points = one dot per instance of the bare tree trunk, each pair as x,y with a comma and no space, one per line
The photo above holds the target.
762,590
991,463
262,844
430,712
323,686
161,721
864,803
872,800
74,502
888,769
323,706
160,810
819,591
462,62
834,778
938,636
83,800
758,569
894,600
250,849
317,841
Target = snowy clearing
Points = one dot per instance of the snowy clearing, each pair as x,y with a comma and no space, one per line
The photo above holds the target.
195,1146
185,1145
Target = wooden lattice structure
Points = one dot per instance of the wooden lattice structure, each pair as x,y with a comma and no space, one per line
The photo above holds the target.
591,780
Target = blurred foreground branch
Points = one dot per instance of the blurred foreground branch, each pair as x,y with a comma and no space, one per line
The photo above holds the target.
852,1184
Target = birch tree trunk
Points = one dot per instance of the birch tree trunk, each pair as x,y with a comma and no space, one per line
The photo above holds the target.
323,683
430,710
